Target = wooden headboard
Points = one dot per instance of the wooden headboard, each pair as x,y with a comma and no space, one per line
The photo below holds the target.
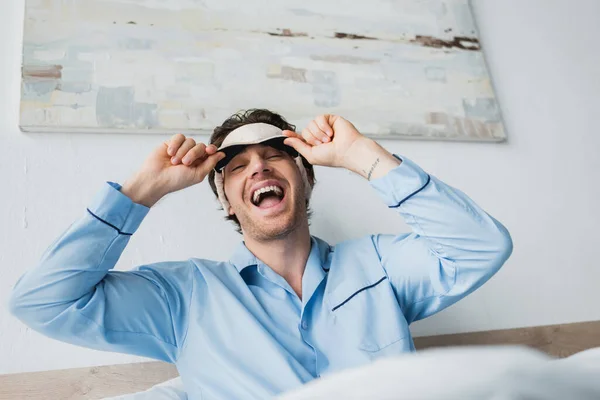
99,382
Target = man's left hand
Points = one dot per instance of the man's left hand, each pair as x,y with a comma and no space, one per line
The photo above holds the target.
326,141
332,141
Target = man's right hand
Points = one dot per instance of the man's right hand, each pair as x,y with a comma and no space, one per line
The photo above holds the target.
174,165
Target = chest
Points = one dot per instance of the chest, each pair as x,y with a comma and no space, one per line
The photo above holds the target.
234,330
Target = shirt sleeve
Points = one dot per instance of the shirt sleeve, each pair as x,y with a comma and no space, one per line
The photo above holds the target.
72,296
454,248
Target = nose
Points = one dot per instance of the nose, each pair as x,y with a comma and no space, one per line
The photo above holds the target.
258,166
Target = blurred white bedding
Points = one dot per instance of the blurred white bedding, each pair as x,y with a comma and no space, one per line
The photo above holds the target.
498,372
169,390
465,373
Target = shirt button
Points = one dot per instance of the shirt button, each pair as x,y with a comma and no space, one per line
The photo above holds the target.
304,325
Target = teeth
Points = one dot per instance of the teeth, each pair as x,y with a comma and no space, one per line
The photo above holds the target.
272,188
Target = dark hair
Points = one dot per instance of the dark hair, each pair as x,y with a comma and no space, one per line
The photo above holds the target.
242,118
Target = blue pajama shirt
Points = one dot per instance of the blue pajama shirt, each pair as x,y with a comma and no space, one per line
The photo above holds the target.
235,329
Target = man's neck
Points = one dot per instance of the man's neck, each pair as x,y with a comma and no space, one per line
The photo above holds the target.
286,256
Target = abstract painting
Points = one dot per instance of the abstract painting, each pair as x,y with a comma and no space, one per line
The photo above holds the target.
395,68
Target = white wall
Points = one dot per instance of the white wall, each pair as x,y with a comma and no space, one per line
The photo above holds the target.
543,184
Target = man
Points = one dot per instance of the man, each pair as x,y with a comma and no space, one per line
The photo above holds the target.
287,307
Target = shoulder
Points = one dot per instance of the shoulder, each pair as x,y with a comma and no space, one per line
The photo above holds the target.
354,253
368,250
185,272
361,245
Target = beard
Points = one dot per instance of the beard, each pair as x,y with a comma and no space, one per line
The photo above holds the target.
275,227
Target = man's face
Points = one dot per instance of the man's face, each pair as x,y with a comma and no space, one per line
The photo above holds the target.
265,192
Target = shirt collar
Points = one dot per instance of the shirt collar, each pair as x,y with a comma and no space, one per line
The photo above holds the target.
319,255
242,257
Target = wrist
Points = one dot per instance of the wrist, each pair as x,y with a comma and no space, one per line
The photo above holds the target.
368,159
141,191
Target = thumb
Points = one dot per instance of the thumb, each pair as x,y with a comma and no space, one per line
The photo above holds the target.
300,146
204,168
213,159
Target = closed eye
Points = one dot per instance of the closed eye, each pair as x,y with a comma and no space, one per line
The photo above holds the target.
237,167
274,154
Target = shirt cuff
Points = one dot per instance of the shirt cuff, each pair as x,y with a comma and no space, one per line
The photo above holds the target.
401,183
117,210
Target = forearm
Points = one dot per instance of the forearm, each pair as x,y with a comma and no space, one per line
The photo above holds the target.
454,226
455,246
73,296
142,191
71,268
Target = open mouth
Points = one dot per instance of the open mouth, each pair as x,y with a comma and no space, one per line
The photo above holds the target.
268,196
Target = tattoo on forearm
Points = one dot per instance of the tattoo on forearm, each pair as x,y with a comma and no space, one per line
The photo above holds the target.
372,169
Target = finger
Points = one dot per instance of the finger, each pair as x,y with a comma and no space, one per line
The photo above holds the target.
207,165
211,149
198,152
317,132
323,124
300,146
174,143
309,138
183,149
296,135
292,134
